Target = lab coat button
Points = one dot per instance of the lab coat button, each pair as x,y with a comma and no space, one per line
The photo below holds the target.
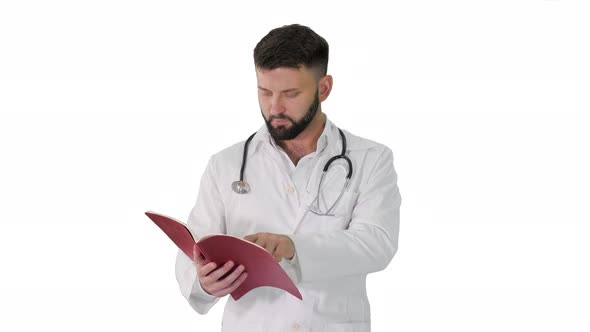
290,190
295,326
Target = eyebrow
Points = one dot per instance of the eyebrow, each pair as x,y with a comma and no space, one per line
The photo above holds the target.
288,90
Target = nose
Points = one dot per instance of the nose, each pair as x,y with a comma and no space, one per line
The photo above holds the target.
277,106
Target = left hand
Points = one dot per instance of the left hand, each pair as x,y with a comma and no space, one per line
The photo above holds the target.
279,246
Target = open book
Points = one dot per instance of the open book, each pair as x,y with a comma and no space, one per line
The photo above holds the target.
261,267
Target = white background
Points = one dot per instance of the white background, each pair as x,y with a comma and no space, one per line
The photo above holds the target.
112,108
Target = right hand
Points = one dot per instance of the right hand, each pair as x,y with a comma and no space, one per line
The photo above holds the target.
209,274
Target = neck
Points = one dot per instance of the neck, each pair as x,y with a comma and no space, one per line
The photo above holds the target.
307,141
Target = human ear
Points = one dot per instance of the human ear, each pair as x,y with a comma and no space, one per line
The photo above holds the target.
325,87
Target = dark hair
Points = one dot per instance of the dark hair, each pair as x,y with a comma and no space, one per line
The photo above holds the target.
292,46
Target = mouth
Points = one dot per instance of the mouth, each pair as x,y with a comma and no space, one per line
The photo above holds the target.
280,122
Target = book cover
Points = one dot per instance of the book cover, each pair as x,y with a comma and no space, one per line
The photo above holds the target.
261,267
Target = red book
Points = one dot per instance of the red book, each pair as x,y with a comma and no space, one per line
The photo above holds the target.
261,267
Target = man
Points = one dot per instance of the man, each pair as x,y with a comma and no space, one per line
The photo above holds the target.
327,242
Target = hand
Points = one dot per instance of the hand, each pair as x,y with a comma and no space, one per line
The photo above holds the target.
279,246
209,275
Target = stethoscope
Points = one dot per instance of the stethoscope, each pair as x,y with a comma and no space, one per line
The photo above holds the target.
242,187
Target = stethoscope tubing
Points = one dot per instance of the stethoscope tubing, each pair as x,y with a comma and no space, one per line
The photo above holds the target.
242,187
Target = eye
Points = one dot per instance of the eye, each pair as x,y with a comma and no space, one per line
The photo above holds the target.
265,93
292,94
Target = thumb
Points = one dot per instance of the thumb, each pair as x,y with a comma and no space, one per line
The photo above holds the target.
195,254
199,258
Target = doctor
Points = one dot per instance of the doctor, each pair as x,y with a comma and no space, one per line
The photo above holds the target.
327,229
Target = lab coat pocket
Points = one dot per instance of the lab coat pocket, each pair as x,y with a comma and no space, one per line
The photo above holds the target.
329,211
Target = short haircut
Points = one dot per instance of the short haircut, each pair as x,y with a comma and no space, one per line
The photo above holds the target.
292,46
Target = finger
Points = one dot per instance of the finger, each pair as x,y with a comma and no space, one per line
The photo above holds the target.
271,247
281,250
251,237
204,270
221,271
233,286
201,260
228,281
198,256
285,249
261,243
260,240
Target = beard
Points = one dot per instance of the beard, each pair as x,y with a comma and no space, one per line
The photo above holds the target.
282,133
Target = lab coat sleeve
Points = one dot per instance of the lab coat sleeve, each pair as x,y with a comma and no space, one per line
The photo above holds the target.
206,217
371,240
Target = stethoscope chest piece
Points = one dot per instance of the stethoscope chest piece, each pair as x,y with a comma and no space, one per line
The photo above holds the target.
240,187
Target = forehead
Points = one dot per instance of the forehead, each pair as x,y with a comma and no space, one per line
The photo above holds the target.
283,78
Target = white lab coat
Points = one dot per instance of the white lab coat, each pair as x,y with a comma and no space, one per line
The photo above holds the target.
334,254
